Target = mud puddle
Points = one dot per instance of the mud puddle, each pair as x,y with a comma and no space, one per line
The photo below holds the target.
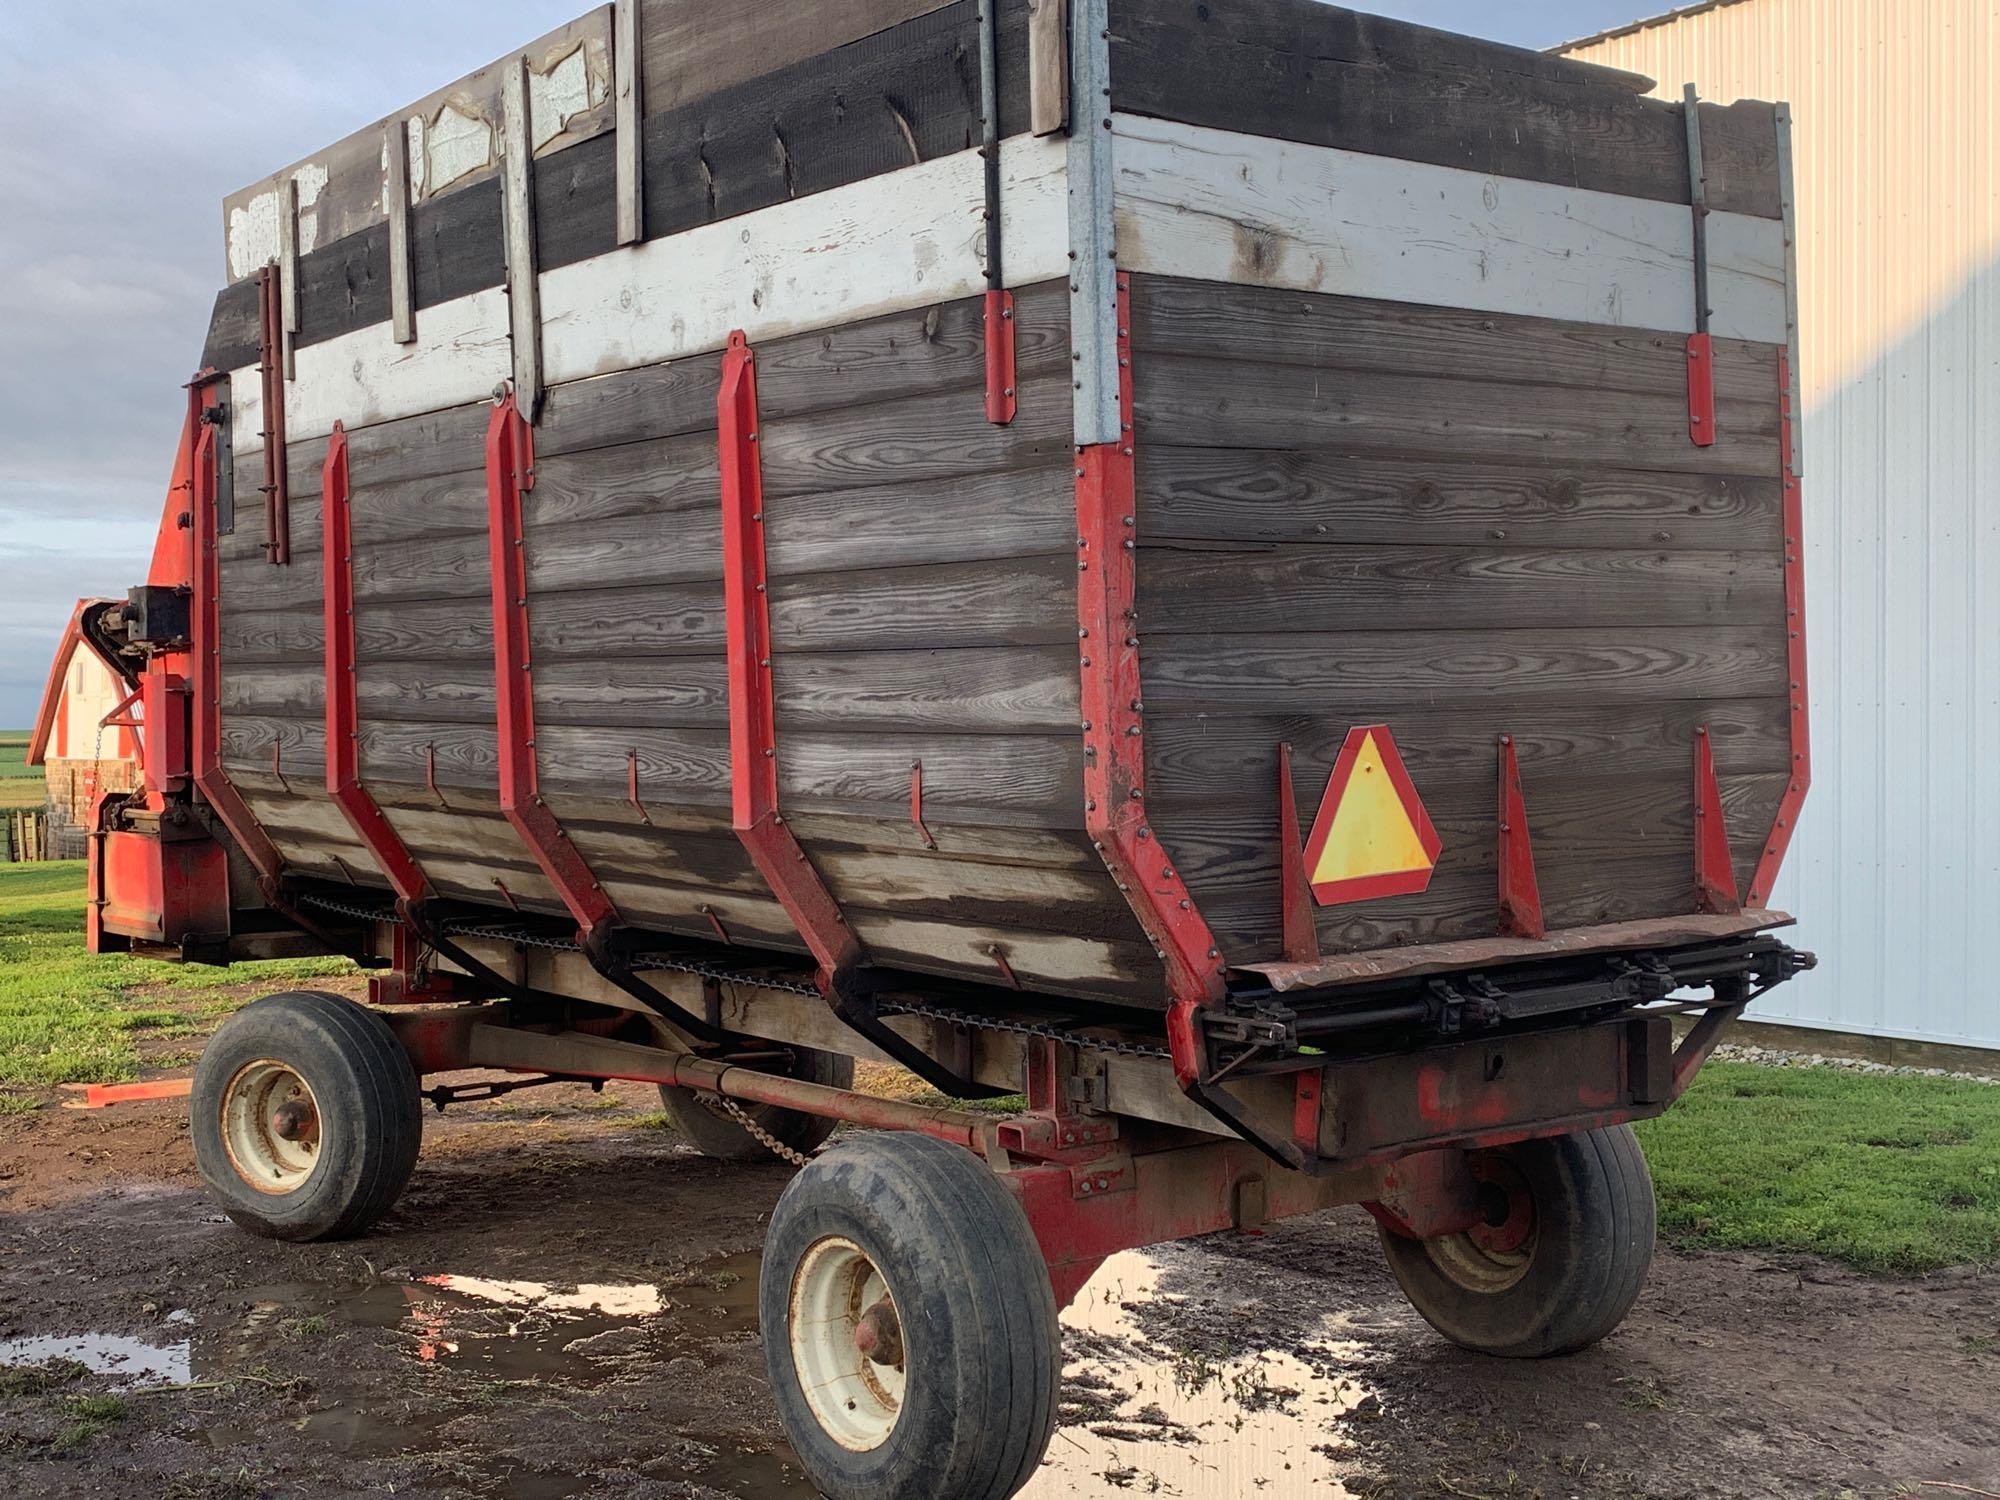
1140,1416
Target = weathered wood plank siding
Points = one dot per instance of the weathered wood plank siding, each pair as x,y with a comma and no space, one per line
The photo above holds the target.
1322,75
821,101
1464,527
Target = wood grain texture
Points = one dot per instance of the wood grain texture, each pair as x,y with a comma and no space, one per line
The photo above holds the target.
672,482
975,779
1030,601
902,354
1217,205
787,125
1286,495
697,47
1225,589
1006,689
941,435
1007,513
1239,404
1282,326
1191,757
1246,674
647,620
1329,76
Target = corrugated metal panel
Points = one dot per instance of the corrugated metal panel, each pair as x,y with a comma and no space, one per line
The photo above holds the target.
1896,868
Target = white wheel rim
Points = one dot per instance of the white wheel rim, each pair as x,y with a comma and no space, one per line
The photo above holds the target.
855,1400
270,1126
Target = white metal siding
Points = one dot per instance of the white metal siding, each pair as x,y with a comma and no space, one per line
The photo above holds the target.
1895,872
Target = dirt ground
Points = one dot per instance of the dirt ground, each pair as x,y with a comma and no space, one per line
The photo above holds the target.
563,1305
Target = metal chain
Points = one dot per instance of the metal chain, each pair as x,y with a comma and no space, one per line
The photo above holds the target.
756,1132
1039,1029
1025,1028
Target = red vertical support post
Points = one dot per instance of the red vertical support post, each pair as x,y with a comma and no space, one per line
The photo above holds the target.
1714,877
1114,754
343,705
1800,779
1300,935
753,715
1700,347
277,458
1520,895
510,473
205,397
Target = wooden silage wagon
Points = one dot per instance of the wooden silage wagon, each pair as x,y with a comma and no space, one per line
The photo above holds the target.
1231,568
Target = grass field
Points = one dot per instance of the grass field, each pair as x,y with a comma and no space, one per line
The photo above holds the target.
20,783
1887,1173
68,1016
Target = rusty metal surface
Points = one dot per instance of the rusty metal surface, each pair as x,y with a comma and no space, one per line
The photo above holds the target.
1473,953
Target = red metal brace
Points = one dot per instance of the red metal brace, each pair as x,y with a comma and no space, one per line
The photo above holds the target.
277,457
1300,934
1520,896
510,474
1701,390
343,711
753,728
917,803
1795,653
1001,401
1714,878
204,395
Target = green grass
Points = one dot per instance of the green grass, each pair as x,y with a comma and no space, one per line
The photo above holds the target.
67,1016
1888,1173
14,756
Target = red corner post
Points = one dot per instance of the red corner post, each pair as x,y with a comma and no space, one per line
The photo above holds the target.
343,710
510,474
1114,756
1795,651
753,718
1714,878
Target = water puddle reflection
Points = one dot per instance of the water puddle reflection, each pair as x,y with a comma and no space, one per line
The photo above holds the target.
1144,1412
128,1361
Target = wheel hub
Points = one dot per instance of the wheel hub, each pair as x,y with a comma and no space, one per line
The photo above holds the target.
270,1126
879,1334
847,1344
1495,1253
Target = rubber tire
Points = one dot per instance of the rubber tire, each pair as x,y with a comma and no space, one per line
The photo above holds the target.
1594,1232
371,1114
719,1136
979,1319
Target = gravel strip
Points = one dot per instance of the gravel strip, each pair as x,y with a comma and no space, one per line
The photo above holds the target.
1773,1057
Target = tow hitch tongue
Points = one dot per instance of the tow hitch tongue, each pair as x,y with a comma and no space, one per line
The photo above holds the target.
879,1334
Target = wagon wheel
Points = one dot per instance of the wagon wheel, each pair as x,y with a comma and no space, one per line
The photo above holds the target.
714,1132
1560,1256
909,1326
306,1117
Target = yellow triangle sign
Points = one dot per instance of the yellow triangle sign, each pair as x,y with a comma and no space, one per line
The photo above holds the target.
1372,836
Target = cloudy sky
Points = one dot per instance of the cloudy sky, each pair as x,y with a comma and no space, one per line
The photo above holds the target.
126,122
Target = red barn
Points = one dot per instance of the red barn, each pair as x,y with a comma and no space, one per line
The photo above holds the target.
80,754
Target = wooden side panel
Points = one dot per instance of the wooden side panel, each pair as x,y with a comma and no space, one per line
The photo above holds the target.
923,610
827,96
1323,75
1354,512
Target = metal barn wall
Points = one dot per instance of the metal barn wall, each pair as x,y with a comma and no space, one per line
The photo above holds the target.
1896,868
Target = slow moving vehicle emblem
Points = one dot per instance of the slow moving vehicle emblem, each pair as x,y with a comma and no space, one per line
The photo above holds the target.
1372,836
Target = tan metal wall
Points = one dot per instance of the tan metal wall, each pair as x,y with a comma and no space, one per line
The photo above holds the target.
1896,869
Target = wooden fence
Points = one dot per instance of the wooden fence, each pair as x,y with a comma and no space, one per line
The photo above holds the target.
24,835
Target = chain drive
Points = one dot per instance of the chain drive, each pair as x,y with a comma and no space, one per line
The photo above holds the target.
1041,1030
